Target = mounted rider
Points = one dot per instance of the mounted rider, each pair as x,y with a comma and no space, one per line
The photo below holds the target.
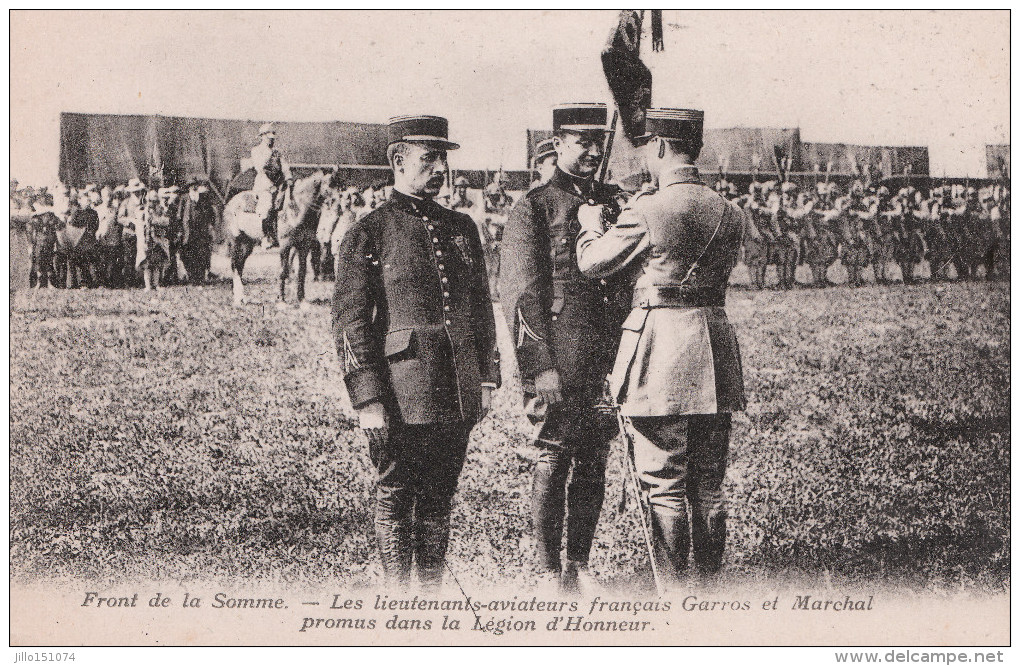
271,176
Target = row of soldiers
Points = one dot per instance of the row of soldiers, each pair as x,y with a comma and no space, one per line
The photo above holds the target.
125,236
962,228
955,228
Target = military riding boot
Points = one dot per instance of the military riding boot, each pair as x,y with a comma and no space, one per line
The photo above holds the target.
671,532
709,537
393,531
431,538
547,501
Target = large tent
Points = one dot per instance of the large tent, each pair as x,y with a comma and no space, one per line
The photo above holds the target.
742,151
111,149
846,158
997,159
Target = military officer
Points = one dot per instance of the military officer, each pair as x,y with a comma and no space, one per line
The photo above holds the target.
413,325
677,374
565,327
271,175
544,162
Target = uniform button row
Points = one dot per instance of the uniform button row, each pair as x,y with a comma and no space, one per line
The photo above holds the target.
447,322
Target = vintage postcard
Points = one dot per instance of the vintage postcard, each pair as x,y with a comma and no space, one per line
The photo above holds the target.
507,328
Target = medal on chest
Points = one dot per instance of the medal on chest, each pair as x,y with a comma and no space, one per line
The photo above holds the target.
461,243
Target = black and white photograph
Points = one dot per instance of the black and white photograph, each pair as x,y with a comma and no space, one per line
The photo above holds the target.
511,328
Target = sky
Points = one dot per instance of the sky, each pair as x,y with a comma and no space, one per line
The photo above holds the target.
939,79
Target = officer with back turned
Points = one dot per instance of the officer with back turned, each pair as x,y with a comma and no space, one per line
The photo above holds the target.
677,374
565,327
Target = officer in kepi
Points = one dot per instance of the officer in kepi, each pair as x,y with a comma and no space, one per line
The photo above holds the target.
677,375
414,329
565,329
544,162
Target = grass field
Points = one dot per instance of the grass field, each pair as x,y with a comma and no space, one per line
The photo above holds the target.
181,438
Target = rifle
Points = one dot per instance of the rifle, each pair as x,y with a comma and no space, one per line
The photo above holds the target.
607,147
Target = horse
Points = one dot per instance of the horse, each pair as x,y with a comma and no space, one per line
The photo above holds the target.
909,248
296,231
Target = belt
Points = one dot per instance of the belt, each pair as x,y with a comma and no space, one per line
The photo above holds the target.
667,296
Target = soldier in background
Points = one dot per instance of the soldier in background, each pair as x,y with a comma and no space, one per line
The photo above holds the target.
821,241
757,246
856,246
461,201
198,219
544,162
677,375
565,327
110,236
989,231
131,215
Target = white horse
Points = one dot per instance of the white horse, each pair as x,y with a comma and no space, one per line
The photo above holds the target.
297,224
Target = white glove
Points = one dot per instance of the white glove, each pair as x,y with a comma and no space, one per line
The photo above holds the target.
590,217
372,419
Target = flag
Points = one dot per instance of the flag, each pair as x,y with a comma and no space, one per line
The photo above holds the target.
629,79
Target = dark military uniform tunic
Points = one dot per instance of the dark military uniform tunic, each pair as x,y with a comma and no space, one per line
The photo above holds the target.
412,317
561,319
558,317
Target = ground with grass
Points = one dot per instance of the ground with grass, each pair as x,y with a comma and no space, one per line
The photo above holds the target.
180,438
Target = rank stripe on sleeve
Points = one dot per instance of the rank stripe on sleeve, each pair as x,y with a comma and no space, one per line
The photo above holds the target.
524,330
351,362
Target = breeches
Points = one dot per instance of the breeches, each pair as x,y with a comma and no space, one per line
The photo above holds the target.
682,459
569,481
421,460
418,467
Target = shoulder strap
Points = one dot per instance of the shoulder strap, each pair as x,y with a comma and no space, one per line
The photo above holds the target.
718,226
